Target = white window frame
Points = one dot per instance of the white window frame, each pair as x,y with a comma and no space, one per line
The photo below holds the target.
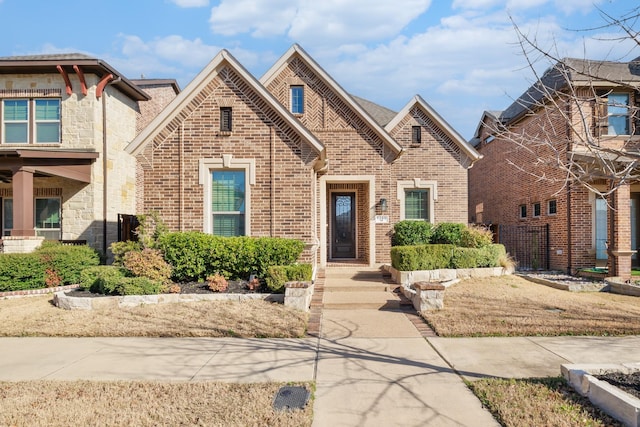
206,167
533,210
520,211
626,115
549,207
291,88
418,184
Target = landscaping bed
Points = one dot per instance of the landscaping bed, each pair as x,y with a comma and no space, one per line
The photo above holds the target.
630,383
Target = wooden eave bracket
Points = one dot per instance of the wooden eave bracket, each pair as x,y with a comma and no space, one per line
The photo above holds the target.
65,76
104,81
83,83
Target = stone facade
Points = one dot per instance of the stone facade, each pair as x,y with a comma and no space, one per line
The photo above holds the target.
97,109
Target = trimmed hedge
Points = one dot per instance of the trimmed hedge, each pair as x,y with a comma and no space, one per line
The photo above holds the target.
196,255
278,275
439,256
52,261
412,233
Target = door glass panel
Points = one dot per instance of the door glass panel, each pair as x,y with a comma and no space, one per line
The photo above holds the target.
601,229
343,226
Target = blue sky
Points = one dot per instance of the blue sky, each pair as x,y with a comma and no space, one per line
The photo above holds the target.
462,56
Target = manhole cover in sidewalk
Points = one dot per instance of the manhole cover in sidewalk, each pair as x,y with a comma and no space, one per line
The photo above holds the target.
290,397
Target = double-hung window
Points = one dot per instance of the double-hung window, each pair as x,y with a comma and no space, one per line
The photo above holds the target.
297,99
228,205
27,121
618,113
416,204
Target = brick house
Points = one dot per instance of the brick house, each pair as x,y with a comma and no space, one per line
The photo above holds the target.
576,109
64,173
294,155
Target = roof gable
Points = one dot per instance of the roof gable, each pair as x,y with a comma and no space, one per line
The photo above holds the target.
186,101
296,51
438,122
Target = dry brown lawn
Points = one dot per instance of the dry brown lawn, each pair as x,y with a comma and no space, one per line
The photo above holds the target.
513,306
92,403
36,316
538,402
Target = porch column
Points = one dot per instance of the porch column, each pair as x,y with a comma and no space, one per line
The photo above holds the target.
620,233
23,202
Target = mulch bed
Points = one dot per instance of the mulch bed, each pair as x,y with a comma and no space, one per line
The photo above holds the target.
235,287
627,382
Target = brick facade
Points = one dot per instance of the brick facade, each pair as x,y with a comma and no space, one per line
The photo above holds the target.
291,196
519,168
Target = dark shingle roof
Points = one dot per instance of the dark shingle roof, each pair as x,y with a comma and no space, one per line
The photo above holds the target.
48,63
380,114
578,72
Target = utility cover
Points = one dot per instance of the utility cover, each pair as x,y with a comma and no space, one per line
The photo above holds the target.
290,397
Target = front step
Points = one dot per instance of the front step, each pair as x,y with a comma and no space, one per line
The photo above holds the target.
352,300
358,288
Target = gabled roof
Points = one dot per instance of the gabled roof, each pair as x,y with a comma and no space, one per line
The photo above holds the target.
39,64
439,121
296,50
578,72
492,115
222,59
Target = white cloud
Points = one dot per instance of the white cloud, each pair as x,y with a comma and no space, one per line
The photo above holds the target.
314,22
189,3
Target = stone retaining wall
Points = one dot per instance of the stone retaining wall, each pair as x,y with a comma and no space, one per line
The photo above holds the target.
407,278
62,300
298,295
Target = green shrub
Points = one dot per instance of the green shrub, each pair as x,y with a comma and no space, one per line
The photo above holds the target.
139,286
464,258
21,271
102,279
195,255
421,257
188,253
148,263
278,275
67,262
119,250
412,233
491,255
448,233
475,236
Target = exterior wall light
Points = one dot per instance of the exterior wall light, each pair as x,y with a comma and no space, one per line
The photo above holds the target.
383,205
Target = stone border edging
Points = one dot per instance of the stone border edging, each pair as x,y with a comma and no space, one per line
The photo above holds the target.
617,286
34,292
61,300
612,400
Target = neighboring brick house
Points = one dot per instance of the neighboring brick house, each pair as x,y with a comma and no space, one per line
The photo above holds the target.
64,173
294,155
583,102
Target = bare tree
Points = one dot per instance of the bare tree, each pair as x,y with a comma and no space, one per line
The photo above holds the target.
573,117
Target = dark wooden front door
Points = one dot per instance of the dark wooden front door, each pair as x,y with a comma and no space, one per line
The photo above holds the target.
343,225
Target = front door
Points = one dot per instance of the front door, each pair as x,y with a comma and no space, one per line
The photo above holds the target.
343,225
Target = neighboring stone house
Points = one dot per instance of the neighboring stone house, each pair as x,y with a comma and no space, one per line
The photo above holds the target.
294,155
64,173
575,104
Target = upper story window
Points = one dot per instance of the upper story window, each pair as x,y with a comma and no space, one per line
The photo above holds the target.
297,99
225,119
416,134
618,113
27,121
